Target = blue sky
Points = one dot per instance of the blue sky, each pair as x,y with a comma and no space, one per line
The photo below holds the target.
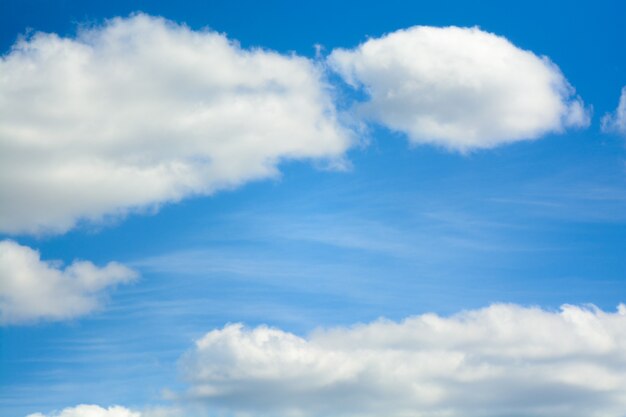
403,228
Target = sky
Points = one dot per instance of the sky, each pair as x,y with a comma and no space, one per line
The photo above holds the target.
399,209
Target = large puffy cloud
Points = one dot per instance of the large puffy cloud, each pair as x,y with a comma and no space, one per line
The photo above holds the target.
32,289
142,111
460,88
504,360
616,121
85,410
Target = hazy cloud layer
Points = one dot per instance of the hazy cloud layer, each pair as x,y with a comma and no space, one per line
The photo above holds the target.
32,289
616,121
460,88
85,410
504,360
142,111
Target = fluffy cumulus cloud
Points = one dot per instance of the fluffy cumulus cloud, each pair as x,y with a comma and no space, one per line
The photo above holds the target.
32,289
460,88
616,122
142,111
85,410
504,360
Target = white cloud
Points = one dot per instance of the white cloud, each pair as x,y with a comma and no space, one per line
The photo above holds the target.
504,360
142,111
616,122
32,289
85,410
460,88
89,410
